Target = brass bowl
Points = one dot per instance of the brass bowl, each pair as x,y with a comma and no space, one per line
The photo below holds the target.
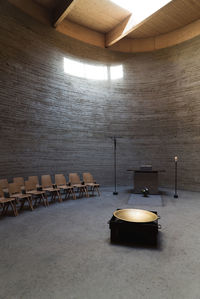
135,215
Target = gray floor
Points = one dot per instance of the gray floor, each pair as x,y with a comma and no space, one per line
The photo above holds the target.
64,252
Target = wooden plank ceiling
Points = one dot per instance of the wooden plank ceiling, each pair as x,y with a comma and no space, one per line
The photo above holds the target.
115,23
173,16
48,4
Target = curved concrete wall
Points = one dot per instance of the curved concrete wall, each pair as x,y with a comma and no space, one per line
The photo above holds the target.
56,122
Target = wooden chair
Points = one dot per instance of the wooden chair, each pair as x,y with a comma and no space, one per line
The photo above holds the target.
6,202
34,179
61,182
79,186
31,189
3,184
50,188
90,182
15,192
19,181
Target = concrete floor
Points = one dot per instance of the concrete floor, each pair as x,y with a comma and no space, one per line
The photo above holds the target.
64,251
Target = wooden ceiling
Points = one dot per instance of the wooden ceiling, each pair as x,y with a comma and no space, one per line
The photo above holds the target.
175,15
48,4
108,24
98,15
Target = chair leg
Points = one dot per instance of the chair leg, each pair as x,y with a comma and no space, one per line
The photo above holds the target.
53,196
97,190
14,208
58,195
69,193
2,206
39,199
66,194
86,191
30,203
43,200
5,208
46,199
22,204
73,194
3,211
36,202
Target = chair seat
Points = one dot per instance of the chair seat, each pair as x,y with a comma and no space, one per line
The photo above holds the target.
6,200
23,196
92,184
50,189
78,185
65,187
20,195
35,192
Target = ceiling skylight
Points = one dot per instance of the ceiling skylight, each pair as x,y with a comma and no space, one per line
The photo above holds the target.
141,9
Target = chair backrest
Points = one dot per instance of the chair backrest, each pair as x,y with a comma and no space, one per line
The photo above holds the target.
34,179
46,181
60,179
74,178
19,181
30,185
4,184
88,178
14,188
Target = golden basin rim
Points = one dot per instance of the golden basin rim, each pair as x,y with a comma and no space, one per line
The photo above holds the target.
135,215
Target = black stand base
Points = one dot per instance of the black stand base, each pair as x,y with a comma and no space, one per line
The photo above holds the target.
115,193
175,195
132,233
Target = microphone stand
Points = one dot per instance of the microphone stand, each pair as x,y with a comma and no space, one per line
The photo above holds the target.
176,160
115,166
115,162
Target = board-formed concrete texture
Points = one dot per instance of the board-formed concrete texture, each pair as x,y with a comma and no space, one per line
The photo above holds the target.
55,122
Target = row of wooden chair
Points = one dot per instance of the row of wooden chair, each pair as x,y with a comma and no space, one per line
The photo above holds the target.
21,192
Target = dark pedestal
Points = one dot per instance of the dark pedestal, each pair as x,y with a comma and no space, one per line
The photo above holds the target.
133,233
143,179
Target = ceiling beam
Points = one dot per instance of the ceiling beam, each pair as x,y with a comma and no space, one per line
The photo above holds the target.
120,31
62,10
81,33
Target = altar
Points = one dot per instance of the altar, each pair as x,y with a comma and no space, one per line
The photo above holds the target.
146,178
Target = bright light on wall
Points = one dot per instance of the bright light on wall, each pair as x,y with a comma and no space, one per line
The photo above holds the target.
96,72
116,72
83,70
141,9
93,72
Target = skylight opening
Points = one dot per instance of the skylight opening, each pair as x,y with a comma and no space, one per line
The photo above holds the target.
141,9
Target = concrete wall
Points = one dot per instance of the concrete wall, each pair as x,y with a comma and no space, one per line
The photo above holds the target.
54,122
